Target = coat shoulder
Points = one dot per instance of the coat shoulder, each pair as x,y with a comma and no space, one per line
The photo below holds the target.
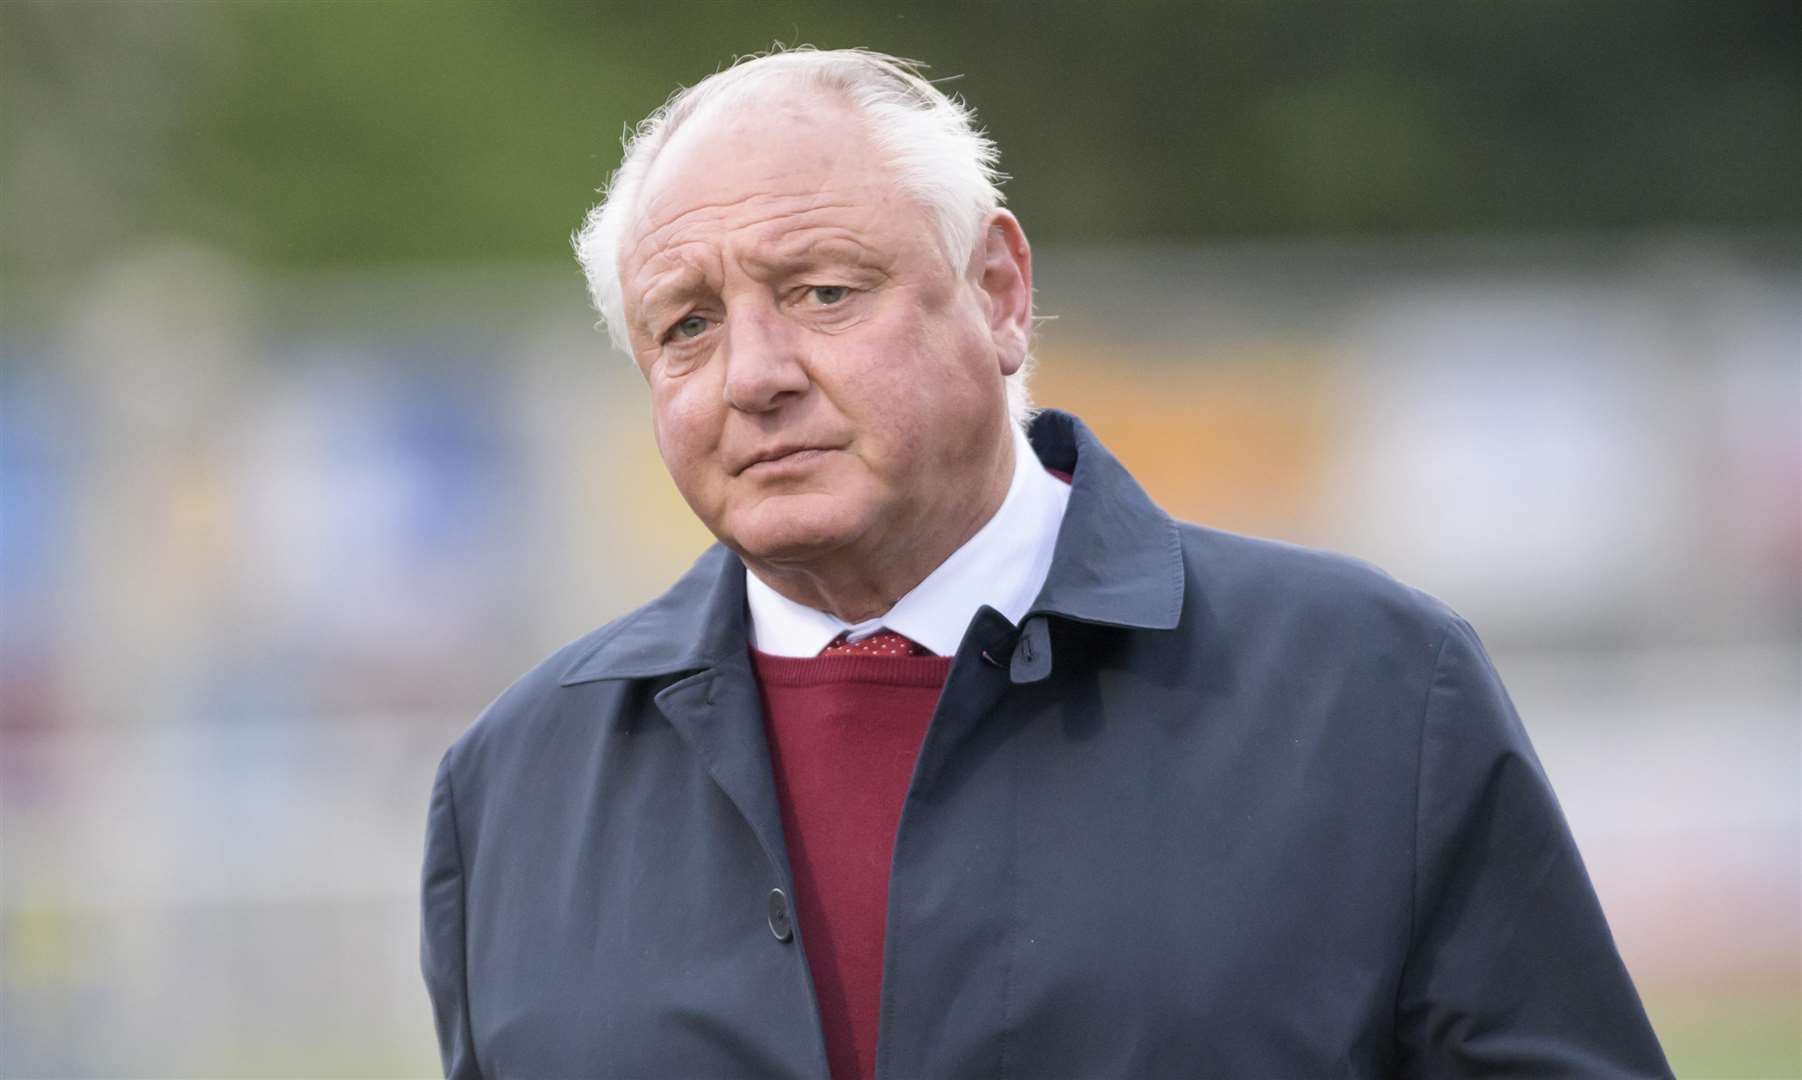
1244,577
540,697
525,703
660,637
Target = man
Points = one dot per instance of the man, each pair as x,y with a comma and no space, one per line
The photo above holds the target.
956,756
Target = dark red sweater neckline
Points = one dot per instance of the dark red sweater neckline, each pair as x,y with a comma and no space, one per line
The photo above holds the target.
882,670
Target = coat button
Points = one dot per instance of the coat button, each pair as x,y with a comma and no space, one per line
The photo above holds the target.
780,924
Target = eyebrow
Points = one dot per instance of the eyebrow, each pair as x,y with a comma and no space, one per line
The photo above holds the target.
805,254
683,283
674,289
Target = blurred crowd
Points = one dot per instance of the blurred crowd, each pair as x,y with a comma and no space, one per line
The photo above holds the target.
269,542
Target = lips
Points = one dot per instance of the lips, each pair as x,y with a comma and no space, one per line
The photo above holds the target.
781,456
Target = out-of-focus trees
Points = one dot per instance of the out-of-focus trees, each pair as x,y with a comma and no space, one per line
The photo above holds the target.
326,134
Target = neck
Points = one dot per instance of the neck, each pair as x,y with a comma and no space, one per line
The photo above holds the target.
865,581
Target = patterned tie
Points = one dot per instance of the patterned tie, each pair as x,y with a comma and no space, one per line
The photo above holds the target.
884,642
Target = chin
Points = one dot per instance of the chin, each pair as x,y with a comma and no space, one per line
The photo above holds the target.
783,533
787,546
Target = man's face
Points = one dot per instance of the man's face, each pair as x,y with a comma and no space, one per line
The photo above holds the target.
823,381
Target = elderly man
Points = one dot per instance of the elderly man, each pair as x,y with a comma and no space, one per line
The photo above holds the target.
956,756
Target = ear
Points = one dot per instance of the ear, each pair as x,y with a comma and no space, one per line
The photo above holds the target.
1002,268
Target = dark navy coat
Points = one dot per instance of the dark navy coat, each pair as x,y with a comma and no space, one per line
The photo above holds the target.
1217,808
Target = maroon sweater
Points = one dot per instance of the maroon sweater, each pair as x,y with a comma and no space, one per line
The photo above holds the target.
843,734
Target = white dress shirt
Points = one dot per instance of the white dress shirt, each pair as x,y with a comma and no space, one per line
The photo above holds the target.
1004,566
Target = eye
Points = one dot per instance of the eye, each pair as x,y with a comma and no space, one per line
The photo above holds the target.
691,327
827,295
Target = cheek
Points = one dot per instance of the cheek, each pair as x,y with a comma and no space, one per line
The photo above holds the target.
931,396
686,431
961,373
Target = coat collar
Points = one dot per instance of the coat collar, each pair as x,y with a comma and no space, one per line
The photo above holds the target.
1118,562
697,623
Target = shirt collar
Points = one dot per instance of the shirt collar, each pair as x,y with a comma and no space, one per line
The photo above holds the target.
1118,562
1004,566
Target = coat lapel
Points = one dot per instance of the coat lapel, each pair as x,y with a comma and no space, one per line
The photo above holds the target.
698,632
1118,562
720,715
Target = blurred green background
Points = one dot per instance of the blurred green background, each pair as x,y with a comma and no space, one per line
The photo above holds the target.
328,135
308,444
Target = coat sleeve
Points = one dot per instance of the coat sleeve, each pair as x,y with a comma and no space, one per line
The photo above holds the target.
441,930
1511,970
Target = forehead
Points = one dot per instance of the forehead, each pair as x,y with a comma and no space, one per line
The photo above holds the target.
774,178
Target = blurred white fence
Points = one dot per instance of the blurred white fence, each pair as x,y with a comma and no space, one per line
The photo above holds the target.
266,546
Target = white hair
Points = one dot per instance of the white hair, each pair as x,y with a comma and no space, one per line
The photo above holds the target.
939,155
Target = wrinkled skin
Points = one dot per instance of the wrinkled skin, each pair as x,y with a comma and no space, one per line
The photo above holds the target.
827,389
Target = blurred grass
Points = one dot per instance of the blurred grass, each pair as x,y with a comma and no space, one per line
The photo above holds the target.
1729,1033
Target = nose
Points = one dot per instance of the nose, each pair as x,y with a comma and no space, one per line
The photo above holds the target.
762,359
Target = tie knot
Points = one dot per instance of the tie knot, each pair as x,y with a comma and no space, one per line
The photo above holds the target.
884,642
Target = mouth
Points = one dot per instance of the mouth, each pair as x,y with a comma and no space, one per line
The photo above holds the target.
798,457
